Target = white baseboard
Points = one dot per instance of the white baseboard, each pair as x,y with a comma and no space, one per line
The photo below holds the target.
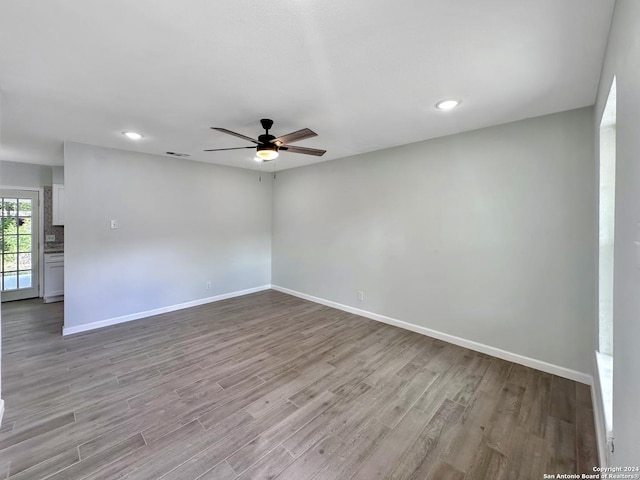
1,410
478,347
57,298
157,311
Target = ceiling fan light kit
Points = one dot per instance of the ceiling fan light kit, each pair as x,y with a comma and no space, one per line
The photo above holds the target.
268,147
267,152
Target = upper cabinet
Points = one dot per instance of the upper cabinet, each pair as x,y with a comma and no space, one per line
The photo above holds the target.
58,204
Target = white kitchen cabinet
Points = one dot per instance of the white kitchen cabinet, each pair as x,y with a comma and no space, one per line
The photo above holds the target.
53,277
58,204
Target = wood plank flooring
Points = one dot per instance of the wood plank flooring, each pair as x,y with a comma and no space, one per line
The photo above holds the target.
268,386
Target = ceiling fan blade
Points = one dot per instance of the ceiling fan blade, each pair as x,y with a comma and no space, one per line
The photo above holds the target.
221,149
294,137
305,150
239,135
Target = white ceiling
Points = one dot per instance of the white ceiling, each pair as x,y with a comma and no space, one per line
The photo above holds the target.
363,74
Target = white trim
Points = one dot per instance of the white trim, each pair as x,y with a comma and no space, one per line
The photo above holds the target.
56,298
13,187
598,414
470,344
157,311
41,243
1,410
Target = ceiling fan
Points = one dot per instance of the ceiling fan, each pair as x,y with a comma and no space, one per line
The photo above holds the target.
268,146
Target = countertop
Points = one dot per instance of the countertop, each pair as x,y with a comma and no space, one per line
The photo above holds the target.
53,248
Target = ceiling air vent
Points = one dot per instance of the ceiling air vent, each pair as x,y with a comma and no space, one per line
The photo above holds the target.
178,154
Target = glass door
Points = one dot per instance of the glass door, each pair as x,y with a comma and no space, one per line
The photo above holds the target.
19,244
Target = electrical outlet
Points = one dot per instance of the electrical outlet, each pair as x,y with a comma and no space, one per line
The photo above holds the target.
360,296
50,238
207,285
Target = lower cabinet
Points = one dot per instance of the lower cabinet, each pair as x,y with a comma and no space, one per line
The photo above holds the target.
53,277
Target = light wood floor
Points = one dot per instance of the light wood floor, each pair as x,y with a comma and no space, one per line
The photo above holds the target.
271,386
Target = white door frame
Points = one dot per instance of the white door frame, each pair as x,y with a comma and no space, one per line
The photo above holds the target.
40,191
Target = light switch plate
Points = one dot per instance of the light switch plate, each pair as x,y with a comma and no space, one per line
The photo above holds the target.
114,224
50,238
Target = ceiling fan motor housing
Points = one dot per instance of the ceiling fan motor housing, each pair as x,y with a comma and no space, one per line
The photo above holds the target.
266,139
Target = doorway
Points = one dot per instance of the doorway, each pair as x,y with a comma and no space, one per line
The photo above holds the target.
19,253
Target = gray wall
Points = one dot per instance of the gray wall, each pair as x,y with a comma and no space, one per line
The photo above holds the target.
622,61
485,235
181,224
57,175
14,174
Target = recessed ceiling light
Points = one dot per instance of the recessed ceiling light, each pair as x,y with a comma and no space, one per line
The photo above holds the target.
132,135
447,104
